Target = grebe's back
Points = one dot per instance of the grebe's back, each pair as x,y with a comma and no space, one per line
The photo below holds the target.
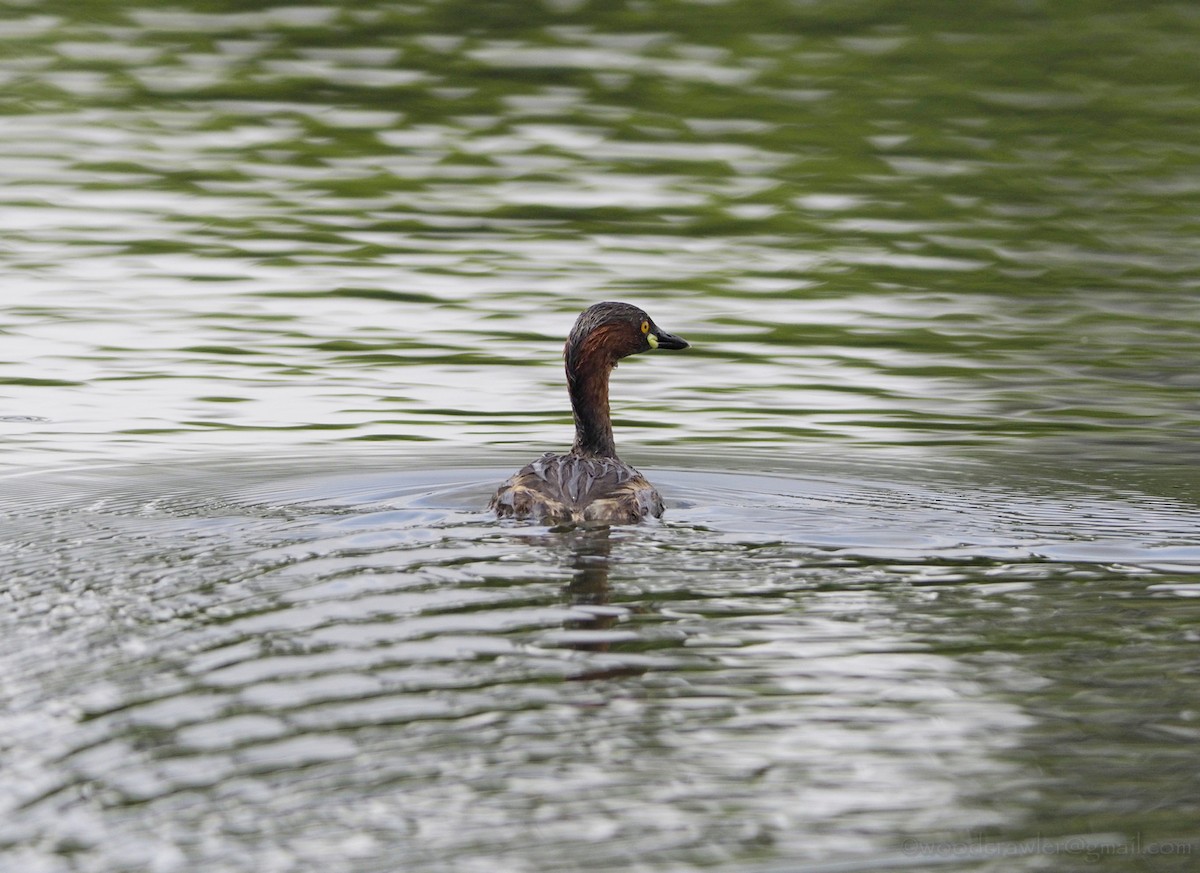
569,488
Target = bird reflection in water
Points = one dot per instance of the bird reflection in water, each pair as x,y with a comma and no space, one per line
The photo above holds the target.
589,592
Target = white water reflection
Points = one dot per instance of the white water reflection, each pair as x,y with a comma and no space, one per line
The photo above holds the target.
377,636
773,658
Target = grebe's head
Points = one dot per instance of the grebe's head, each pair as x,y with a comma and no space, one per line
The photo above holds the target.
614,331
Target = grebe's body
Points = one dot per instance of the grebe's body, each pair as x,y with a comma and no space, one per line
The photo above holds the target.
569,488
591,483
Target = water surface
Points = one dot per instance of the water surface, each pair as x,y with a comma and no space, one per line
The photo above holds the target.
284,294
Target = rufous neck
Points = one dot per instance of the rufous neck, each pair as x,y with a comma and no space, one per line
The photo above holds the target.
587,383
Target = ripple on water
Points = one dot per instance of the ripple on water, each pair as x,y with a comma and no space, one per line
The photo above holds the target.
243,641
281,233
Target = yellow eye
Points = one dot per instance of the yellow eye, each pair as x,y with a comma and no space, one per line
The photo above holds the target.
645,327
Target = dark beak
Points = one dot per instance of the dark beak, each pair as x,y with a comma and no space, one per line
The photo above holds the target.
669,341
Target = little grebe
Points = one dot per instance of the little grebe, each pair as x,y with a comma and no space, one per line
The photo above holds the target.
591,483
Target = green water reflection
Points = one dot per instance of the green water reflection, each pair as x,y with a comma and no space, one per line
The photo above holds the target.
932,225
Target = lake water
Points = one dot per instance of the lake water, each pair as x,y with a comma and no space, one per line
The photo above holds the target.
283,296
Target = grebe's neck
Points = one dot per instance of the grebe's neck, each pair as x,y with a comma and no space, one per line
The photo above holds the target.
588,369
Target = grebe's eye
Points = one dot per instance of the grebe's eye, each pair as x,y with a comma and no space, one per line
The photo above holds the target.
645,327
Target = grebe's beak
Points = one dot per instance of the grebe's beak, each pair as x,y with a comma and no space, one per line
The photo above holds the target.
660,339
